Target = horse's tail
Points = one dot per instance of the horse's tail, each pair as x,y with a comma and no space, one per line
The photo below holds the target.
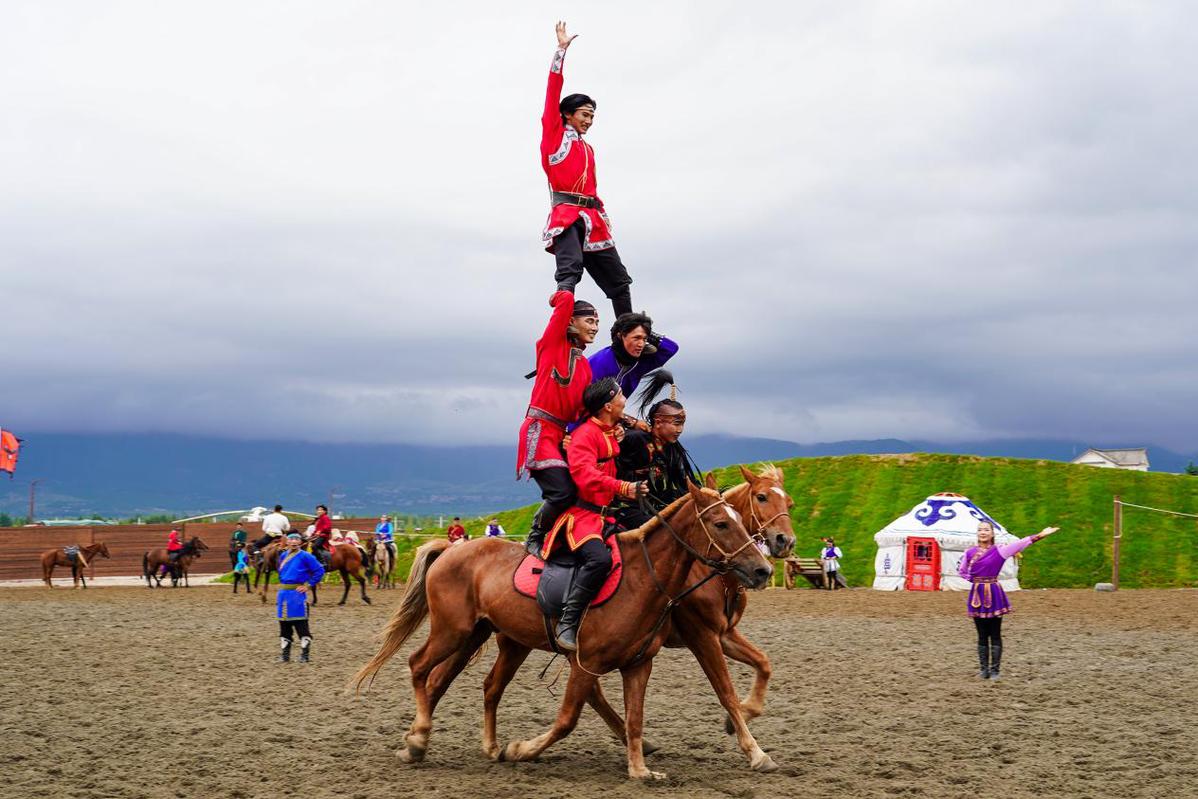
412,610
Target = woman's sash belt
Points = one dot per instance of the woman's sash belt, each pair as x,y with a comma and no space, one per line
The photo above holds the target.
290,586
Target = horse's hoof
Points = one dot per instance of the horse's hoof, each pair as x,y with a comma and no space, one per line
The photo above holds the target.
511,753
366,599
493,752
410,754
765,765
648,748
646,774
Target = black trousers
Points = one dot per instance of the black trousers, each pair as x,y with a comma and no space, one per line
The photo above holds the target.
298,626
263,542
989,631
604,267
558,492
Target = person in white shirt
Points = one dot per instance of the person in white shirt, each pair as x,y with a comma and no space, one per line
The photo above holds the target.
273,525
830,559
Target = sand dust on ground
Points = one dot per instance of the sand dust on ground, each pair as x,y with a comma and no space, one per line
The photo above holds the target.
127,692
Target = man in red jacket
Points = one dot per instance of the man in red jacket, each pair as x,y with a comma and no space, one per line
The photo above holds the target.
579,531
562,376
578,232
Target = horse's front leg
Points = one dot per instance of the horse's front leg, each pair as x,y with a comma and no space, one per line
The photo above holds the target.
740,649
705,644
636,677
577,691
511,656
598,701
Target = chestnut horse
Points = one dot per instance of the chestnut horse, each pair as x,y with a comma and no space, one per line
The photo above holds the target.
466,590
57,557
345,558
156,563
705,621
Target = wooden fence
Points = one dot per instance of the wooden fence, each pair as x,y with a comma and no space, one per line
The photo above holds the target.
21,548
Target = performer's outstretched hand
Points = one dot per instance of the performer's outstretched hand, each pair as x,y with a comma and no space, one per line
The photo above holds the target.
564,38
1048,531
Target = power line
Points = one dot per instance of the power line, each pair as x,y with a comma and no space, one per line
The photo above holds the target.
1158,510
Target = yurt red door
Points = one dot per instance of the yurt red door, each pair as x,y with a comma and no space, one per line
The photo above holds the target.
923,564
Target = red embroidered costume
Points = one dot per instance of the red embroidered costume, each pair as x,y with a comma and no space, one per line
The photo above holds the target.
569,163
562,375
592,455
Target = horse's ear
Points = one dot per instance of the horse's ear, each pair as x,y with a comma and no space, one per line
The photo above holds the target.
710,482
748,475
694,490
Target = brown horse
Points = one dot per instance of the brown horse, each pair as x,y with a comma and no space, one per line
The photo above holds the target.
57,557
157,563
706,619
345,558
466,590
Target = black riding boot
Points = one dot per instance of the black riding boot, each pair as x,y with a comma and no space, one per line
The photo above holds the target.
984,660
305,646
590,578
995,660
285,651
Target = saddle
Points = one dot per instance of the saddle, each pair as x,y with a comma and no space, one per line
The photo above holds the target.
72,553
549,581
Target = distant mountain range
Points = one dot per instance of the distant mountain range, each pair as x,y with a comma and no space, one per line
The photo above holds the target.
128,475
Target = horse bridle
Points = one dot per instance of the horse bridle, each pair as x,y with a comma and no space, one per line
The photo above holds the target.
718,567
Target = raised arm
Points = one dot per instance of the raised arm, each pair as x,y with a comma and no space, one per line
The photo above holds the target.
551,119
1009,550
562,303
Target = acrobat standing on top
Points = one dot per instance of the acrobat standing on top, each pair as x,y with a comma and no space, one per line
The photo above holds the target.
578,232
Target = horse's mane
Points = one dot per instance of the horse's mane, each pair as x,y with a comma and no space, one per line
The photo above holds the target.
655,522
769,471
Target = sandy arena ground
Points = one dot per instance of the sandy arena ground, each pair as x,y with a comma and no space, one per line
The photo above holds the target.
125,692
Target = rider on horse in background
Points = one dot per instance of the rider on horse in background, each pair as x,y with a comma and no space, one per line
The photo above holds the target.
562,375
174,546
383,531
321,534
579,531
578,232
656,456
274,525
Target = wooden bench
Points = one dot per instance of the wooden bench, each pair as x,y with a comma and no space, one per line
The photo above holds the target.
810,568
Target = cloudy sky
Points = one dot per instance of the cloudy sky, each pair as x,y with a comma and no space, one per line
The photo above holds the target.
860,219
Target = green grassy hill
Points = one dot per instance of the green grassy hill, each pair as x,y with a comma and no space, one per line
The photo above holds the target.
853,497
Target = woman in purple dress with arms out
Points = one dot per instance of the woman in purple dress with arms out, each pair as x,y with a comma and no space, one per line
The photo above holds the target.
987,602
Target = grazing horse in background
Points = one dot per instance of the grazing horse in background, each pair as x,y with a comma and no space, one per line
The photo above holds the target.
383,565
157,563
58,557
466,591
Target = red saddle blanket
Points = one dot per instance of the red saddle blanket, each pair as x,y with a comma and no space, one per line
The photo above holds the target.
528,577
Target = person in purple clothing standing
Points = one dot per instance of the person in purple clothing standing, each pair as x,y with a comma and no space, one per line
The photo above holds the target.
635,351
987,602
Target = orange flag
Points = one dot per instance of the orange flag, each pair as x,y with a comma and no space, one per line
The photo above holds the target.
10,445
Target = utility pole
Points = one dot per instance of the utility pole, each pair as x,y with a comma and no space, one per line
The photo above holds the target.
1117,538
32,498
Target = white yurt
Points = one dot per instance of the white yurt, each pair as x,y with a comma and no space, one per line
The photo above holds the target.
922,549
